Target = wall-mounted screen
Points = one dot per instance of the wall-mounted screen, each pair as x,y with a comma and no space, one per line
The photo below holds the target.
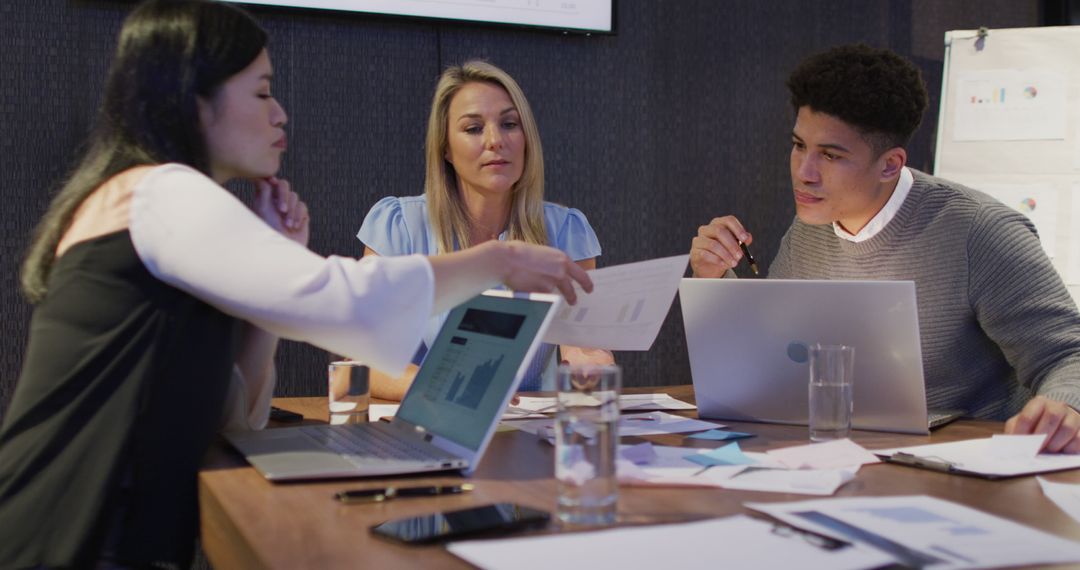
576,15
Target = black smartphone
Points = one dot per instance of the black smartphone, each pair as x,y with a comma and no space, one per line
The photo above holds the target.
488,519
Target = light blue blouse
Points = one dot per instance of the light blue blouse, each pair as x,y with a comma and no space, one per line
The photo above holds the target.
400,226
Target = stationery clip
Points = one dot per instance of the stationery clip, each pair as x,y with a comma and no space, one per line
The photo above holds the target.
812,538
930,462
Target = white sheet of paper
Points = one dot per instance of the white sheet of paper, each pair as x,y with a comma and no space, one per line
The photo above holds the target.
653,402
736,542
836,454
1076,151
1016,447
1072,271
985,456
626,308
1039,202
656,423
1010,105
958,536
378,411
1066,496
800,481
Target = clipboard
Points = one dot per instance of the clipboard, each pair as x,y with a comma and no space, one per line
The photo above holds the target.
977,458
940,465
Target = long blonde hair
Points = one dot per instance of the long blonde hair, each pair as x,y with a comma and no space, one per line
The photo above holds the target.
446,207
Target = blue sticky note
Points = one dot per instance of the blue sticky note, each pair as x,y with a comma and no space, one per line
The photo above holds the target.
721,435
730,454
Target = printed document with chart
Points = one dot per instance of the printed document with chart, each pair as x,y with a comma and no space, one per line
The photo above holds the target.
626,308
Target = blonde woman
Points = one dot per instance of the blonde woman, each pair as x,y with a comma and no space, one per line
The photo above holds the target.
485,181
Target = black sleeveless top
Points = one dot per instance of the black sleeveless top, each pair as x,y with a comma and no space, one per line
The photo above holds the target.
121,392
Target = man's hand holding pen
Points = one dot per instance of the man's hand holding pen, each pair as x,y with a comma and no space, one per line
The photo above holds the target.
719,246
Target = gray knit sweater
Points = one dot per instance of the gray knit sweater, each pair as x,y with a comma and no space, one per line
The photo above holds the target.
996,321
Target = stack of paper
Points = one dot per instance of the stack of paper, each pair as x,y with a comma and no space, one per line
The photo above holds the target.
537,407
920,531
727,467
652,423
530,407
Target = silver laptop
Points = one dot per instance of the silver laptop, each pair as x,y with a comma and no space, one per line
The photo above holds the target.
747,341
448,415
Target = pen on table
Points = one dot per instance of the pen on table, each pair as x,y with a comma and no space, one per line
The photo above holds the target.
386,493
749,258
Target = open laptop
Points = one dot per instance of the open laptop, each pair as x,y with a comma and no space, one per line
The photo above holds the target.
448,415
747,341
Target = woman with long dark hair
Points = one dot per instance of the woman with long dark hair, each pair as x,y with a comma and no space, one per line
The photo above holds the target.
161,298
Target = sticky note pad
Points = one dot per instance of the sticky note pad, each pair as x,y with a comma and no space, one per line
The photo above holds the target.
720,435
730,454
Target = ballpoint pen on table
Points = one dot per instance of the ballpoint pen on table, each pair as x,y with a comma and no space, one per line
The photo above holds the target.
380,494
749,258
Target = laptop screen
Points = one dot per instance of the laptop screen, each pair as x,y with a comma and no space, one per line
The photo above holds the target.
466,374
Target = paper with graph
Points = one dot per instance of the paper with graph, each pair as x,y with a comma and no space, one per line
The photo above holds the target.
626,308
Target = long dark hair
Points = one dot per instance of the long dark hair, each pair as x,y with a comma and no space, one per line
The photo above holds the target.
169,52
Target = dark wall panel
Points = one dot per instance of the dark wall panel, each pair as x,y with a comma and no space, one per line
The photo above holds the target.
680,116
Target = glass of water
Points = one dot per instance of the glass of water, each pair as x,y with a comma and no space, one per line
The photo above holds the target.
831,395
586,443
349,392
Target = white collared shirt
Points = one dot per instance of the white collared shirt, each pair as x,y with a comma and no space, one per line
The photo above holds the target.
879,221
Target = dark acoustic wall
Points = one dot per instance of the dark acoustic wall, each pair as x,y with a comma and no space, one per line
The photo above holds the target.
680,116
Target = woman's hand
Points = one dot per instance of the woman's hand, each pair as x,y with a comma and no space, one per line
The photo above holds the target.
585,356
459,276
528,267
282,209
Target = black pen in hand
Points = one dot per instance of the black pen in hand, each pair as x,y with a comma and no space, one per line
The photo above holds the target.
749,258
386,493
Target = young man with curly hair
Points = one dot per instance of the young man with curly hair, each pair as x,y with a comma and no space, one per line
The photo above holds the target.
1000,333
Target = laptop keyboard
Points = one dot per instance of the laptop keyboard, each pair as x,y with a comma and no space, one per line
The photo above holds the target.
370,441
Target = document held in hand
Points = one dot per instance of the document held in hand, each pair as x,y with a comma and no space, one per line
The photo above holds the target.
626,308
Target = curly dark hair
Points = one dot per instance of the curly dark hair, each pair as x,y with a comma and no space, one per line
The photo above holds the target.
879,93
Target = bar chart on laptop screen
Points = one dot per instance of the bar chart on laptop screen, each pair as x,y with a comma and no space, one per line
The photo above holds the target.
468,375
471,360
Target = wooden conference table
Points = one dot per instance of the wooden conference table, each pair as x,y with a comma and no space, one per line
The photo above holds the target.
248,522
